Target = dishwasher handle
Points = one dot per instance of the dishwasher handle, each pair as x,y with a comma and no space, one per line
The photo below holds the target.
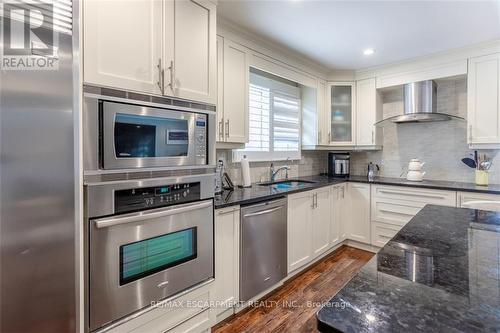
262,212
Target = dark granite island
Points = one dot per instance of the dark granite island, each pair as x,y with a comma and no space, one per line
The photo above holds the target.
440,273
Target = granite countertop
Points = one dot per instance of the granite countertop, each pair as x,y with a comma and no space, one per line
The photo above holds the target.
256,193
440,273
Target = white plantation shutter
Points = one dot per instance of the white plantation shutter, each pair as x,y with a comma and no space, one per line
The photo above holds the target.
274,119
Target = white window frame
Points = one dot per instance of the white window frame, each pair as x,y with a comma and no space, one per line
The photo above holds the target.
263,156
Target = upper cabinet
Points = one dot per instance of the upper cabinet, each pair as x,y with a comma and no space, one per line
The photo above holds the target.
483,98
233,90
368,112
119,54
170,48
341,106
190,50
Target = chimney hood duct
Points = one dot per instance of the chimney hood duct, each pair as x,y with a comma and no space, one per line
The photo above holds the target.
420,105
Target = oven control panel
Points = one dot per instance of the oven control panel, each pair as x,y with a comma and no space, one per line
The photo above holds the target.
154,197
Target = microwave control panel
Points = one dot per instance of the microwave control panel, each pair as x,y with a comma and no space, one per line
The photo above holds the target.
200,139
154,197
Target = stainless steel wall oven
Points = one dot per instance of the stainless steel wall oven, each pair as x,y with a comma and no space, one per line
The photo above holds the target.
147,240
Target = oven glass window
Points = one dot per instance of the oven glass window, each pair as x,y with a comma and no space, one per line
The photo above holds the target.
143,136
152,255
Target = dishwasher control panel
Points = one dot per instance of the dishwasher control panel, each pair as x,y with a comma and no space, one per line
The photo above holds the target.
154,197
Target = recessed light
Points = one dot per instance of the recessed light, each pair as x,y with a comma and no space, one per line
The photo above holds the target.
368,52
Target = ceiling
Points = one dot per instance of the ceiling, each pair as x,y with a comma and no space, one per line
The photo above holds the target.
335,33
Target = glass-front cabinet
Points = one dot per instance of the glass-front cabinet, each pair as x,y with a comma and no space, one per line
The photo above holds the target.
341,106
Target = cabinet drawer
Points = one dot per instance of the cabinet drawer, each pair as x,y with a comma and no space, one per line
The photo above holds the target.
382,233
198,323
395,212
172,315
435,197
479,201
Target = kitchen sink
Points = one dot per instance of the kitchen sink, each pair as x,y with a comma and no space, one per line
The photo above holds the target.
286,184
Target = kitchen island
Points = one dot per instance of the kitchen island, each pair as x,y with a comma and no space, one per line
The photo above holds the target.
440,273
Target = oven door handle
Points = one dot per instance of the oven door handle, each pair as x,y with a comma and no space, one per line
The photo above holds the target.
112,221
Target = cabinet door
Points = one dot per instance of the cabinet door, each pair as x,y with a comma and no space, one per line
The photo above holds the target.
344,211
119,54
359,222
335,217
483,88
236,78
220,89
299,230
341,120
191,55
321,218
227,249
366,112
322,114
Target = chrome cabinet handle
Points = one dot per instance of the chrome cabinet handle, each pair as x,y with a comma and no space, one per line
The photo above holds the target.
319,136
373,136
171,69
221,130
227,128
143,216
343,192
267,211
330,136
161,77
470,133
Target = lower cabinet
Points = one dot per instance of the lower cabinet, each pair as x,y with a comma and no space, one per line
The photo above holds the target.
309,219
358,219
321,217
394,206
337,218
478,201
227,249
299,230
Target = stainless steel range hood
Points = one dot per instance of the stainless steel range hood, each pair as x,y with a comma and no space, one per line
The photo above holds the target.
420,105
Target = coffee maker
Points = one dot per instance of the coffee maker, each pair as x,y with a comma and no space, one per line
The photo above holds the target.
339,165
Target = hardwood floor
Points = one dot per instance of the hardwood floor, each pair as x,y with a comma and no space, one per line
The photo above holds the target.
289,308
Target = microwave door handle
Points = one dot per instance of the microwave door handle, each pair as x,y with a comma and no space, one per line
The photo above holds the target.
112,221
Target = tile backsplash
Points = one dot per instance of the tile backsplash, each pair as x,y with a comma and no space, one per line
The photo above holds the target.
441,145
311,163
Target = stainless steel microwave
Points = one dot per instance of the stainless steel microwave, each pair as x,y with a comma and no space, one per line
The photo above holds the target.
125,134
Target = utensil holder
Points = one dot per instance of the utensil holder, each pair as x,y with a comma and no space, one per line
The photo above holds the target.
482,177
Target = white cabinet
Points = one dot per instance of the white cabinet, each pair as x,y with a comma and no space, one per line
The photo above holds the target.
483,101
394,206
321,213
358,224
169,49
227,248
309,218
189,49
322,112
337,230
367,134
117,53
340,121
299,230
478,201
233,83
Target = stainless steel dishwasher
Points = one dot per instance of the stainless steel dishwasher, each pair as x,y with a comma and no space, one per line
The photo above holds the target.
263,247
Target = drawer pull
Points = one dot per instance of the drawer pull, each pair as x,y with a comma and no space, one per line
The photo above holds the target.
413,194
394,212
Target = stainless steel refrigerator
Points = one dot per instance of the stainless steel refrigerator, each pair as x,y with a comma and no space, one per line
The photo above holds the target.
37,173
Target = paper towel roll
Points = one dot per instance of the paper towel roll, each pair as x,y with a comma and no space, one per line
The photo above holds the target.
245,172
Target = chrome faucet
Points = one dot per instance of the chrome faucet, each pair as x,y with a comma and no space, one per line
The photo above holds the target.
273,173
